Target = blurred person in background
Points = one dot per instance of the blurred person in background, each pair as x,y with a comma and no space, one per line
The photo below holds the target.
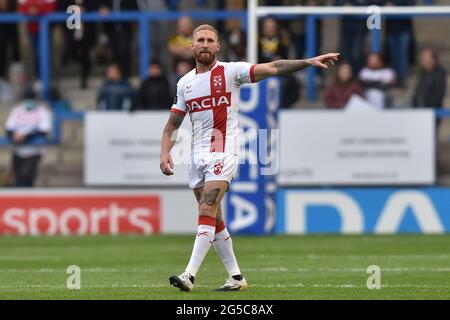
10,38
80,42
179,43
342,88
121,34
181,68
399,32
236,45
431,83
377,80
27,126
116,92
298,27
154,92
352,35
274,45
35,8
56,101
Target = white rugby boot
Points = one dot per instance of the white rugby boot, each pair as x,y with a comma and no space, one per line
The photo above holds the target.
232,284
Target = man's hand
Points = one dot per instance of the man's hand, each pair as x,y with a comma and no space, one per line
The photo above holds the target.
324,60
166,164
19,137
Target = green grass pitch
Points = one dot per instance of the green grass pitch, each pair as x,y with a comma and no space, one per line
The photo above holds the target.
276,267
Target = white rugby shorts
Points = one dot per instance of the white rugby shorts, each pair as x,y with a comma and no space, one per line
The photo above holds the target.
210,166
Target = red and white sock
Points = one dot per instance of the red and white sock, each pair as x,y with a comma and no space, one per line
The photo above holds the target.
205,236
224,247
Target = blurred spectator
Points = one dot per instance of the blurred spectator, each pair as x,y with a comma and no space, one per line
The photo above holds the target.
236,45
116,93
342,88
10,38
27,126
181,68
154,93
79,42
272,45
18,79
290,91
56,101
298,30
432,81
377,80
179,44
353,32
399,33
172,4
121,34
35,8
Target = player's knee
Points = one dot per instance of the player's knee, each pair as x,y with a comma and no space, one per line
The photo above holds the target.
207,210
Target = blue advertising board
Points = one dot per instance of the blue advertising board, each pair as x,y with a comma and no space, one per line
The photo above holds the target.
364,210
250,202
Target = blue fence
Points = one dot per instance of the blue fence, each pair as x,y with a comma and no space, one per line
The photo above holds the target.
144,19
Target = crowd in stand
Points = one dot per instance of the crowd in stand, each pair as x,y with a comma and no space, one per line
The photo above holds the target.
368,76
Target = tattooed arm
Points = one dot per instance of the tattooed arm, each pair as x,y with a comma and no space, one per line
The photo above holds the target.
167,142
283,67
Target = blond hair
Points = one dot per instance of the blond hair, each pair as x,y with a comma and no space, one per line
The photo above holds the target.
205,27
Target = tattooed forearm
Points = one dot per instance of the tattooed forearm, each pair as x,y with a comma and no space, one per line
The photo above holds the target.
168,136
173,124
210,197
288,66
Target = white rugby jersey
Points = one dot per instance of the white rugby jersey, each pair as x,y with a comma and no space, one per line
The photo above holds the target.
212,100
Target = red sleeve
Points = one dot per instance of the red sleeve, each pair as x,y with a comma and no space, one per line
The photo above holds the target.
178,111
252,73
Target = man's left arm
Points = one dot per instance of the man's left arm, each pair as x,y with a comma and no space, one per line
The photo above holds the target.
284,67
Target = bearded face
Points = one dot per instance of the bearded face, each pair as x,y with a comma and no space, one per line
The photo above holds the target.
205,47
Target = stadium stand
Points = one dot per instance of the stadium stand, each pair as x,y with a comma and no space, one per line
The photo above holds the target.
63,164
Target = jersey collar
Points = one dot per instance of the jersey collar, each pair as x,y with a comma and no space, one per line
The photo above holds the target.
214,65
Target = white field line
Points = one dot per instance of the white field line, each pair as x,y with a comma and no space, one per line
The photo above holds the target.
29,258
62,270
153,286
362,256
268,269
261,256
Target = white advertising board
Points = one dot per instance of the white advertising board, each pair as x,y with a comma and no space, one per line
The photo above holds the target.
394,147
123,149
